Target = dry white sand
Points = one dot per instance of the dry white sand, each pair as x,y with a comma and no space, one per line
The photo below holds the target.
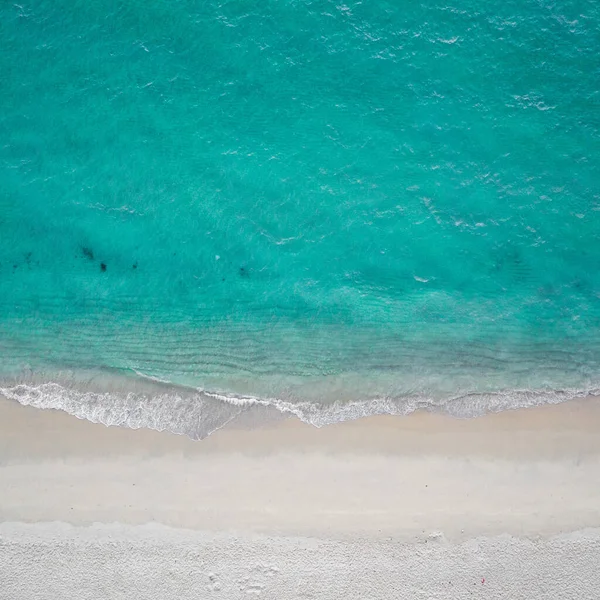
425,506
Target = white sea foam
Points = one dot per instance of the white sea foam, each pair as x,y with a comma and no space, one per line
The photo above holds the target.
197,413
194,415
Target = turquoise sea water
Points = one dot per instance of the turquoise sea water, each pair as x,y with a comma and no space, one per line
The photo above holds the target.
337,209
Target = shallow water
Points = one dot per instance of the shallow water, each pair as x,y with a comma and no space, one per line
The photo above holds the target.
341,209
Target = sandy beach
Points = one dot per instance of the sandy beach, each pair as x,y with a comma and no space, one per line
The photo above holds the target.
503,506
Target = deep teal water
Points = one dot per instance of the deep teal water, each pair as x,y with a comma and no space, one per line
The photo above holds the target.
314,202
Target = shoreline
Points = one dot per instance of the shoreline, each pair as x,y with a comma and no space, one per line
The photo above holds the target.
143,402
527,472
515,433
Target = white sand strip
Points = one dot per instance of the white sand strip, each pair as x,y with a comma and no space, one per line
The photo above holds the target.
386,507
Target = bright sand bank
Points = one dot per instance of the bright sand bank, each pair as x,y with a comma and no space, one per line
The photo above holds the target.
424,506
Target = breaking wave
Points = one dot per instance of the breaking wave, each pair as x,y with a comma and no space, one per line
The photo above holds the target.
198,413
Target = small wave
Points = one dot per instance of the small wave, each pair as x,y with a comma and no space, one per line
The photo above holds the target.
151,377
198,413
194,415
468,405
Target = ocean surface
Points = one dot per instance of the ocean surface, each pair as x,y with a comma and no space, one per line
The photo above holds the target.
322,208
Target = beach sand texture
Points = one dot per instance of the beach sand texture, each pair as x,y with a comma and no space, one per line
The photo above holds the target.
504,506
